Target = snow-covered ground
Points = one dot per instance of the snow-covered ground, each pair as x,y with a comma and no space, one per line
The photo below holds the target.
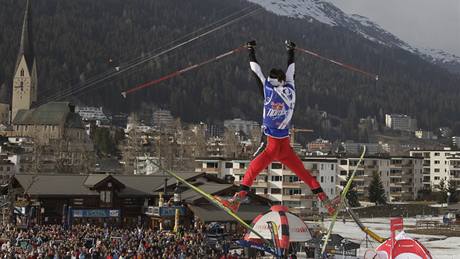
441,247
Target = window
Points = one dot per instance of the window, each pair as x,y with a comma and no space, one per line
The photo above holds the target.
212,165
277,178
314,166
436,170
322,179
78,202
343,162
436,162
436,154
242,165
106,196
332,179
275,191
22,72
436,177
228,165
265,191
322,166
332,166
343,172
292,192
277,166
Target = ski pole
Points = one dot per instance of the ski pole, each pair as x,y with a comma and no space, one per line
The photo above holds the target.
178,72
343,65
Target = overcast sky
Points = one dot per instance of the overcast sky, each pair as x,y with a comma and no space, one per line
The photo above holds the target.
421,23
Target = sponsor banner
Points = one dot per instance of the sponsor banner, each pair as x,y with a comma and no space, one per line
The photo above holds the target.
165,211
95,213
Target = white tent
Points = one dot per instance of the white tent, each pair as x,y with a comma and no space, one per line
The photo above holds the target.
290,227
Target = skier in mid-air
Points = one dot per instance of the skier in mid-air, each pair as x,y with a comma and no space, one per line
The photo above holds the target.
279,101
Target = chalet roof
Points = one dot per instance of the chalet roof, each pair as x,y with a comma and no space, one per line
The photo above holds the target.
54,184
52,113
142,185
80,185
26,46
185,175
210,188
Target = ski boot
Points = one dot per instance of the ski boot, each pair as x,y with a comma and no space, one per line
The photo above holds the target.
289,45
233,203
330,205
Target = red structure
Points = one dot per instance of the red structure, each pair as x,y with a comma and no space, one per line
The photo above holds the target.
401,245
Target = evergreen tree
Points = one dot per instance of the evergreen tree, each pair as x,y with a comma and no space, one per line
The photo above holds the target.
452,190
443,191
103,141
352,195
376,190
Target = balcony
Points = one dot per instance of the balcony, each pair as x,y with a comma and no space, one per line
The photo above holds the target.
370,166
292,184
297,197
239,171
260,184
287,172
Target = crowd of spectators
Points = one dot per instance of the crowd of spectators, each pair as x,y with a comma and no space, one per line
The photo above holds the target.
87,241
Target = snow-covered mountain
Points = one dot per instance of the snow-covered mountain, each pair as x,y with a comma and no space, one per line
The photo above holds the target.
325,12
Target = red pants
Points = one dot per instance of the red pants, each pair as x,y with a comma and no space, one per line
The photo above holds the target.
280,150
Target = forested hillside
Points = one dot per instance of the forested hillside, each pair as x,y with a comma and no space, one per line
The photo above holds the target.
75,39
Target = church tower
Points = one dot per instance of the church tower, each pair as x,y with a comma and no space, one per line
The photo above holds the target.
25,73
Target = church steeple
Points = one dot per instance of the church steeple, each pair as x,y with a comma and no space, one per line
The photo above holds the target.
26,47
25,73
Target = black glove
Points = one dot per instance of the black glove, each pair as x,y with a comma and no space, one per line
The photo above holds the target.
251,44
289,45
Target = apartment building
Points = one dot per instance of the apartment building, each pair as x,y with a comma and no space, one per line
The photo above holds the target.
453,162
88,113
400,122
401,176
436,165
242,125
364,173
277,182
406,177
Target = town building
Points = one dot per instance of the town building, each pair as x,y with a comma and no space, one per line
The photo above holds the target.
143,165
124,200
435,165
406,178
319,145
278,183
58,135
245,126
400,122
163,120
88,113
352,148
454,170
456,142
425,134
364,173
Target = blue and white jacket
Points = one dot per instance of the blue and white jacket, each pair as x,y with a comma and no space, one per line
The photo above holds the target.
279,98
